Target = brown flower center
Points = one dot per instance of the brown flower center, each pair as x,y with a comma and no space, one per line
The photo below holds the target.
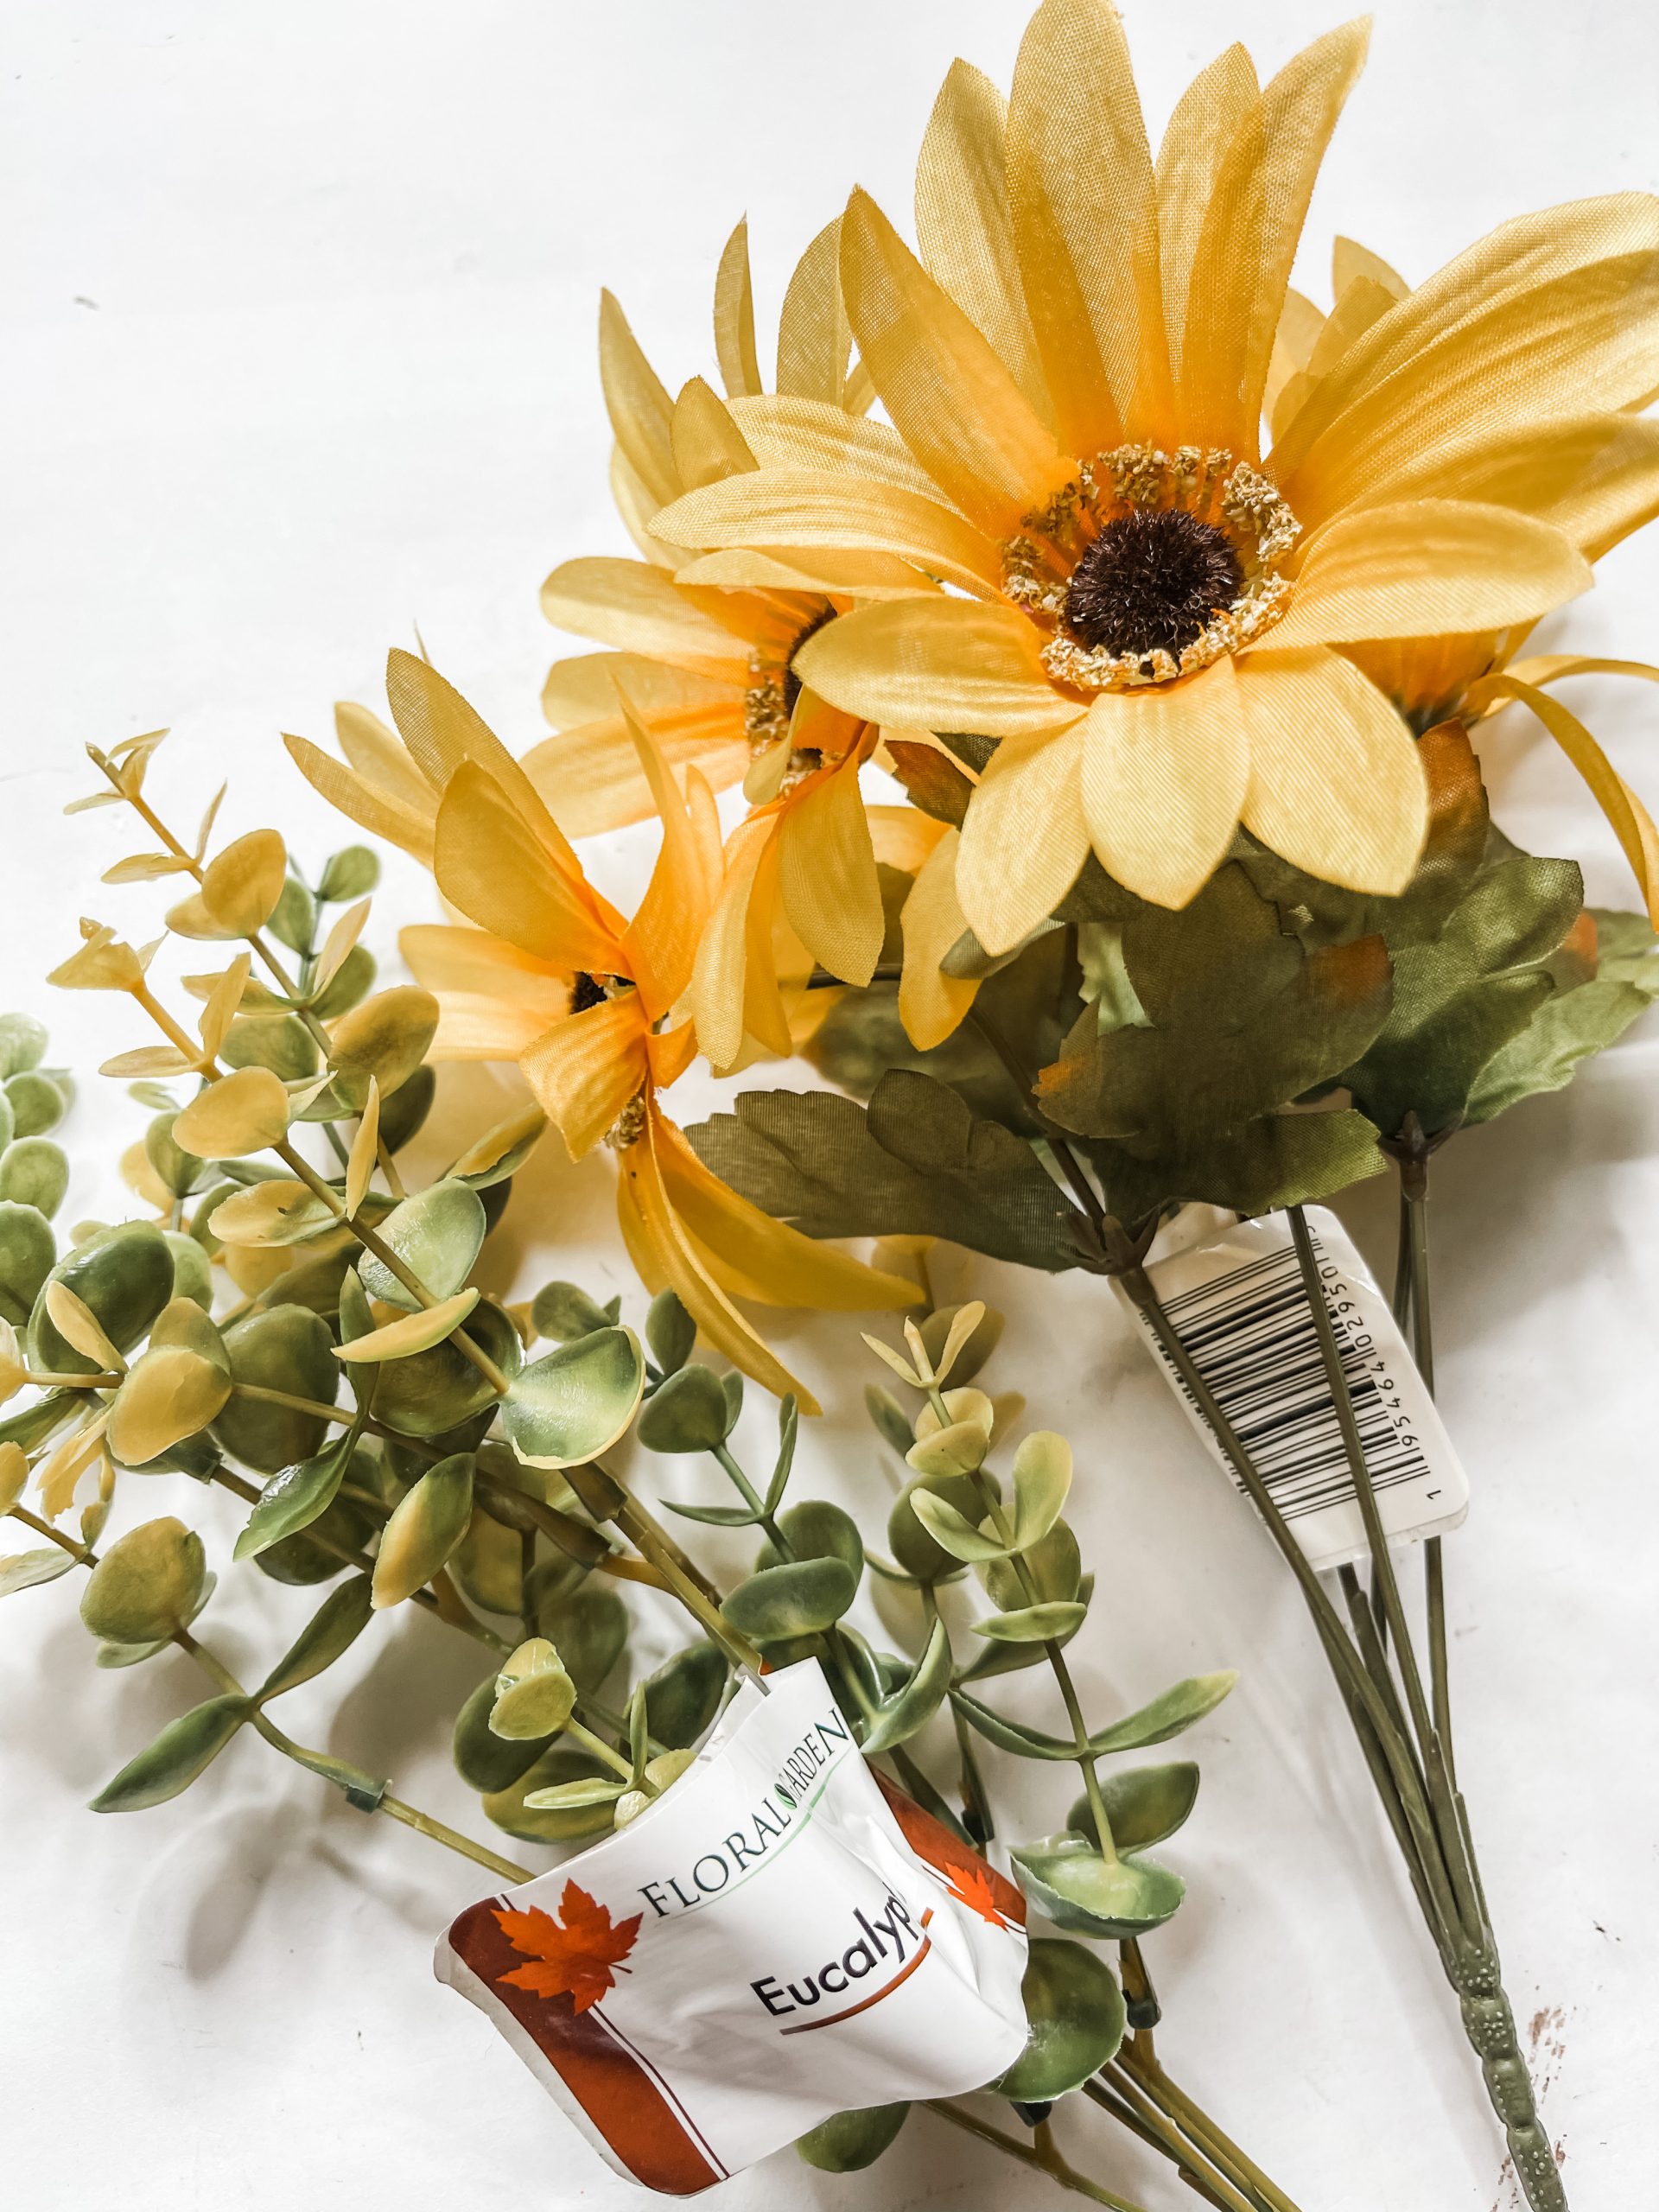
585,991
1151,583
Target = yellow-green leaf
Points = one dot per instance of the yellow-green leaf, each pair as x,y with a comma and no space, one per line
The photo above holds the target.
241,887
242,1113
171,1393
412,1332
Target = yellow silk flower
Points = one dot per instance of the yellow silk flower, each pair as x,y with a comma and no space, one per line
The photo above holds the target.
1161,629
554,978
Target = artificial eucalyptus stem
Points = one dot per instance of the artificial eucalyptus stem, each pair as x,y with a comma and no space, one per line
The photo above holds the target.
1052,2165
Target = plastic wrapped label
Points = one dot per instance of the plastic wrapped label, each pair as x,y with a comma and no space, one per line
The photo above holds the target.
783,1937
1239,1306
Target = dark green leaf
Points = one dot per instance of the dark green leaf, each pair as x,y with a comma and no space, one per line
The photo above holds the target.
1144,1804
917,1163
185,1748
911,1708
1109,1898
333,1629
686,1413
849,2141
792,1600
671,1332
564,1311
683,1696
294,1498
1075,2019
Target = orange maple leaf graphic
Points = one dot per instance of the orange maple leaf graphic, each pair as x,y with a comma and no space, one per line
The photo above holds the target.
974,1887
578,1956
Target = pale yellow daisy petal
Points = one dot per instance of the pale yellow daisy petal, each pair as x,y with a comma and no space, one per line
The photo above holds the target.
1424,568
963,226
1349,259
1218,408
930,1003
1165,772
1337,785
826,875
587,1069
379,755
955,403
1201,127
801,506
784,432
640,410
814,339
642,610
368,804
707,443
1080,180
1024,839
734,347
937,664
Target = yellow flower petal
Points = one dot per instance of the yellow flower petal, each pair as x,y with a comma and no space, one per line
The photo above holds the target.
1427,567
792,433
1349,260
490,864
642,610
1024,839
720,982
368,804
740,364
1203,126
1336,786
931,1004
1589,338
663,1253
781,1266
444,957
943,664
955,405
814,339
587,1070
1085,215
640,410
1631,822
589,775
858,575
1165,773
1223,298
707,443
800,506
826,873
1299,108
1595,478
660,943
380,757
903,835
964,225
1470,300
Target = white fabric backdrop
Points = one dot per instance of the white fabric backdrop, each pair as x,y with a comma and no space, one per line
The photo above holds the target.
299,353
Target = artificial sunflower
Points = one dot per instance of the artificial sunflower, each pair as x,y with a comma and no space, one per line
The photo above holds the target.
553,977
1164,632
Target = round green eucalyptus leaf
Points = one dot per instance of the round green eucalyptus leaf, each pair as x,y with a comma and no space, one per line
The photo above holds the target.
1054,1563
125,1275
849,2141
534,1694
889,1416
434,1391
590,1627
313,1282
146,1584
177,1169
28,1253
280,1042
564,1311
974,1354
683,1695
22,1044
1075,2018
792,1600
348,986
484,1761
1067,1879
911,1545
403,1113
489,1566
671,1332
294,917
573,1403
816,1529
37,1104
351,873
386,1037
7,1121
192,1271
34,1172
1144,1804
285,1348
305,1559
687,1412
1051,1621
437,1235
555,1824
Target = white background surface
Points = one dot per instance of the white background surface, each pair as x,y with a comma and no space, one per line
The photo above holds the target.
300,308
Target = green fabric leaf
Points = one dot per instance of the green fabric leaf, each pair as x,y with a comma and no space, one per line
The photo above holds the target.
917,1163
185,1748
1282,1159
331,1629
912,1705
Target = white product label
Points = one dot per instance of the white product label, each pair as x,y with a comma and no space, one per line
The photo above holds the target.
780,1939
1240,1307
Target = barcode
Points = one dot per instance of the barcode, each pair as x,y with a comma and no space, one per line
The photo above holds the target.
1250,1333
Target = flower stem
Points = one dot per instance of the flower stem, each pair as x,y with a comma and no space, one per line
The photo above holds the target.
1046,2161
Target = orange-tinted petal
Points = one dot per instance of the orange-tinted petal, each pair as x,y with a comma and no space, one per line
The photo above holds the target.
587,1069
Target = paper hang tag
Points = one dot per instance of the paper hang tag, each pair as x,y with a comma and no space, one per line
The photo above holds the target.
781,1938
1239,1306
